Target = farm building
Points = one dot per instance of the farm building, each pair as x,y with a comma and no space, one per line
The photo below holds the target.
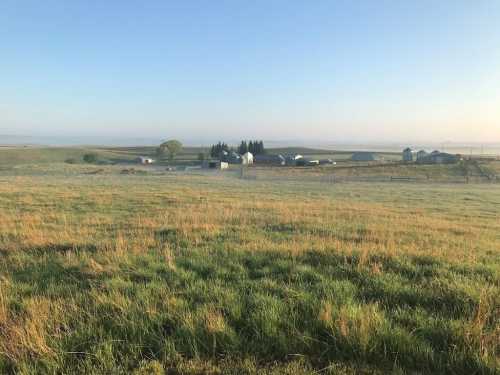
444,158
231,157
269,159
293,159
364,156
306,162
145,160
407,155
215,164
421,155
247,158
437,157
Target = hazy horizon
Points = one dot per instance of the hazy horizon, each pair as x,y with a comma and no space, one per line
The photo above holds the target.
334,72
486,148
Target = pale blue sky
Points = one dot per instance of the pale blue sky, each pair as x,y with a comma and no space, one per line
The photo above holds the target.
314,70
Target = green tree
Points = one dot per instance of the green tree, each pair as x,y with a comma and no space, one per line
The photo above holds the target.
201,156
90,158
243,147
171,148
160,152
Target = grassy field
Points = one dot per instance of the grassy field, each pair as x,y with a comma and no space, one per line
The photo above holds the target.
15,155
177,273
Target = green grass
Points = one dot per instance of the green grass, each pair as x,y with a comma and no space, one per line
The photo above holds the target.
209,274
12,155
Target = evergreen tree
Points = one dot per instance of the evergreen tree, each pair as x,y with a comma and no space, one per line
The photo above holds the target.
243,147
261,147
257,147
251,148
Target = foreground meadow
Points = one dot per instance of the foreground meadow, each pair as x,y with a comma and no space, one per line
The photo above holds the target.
207,274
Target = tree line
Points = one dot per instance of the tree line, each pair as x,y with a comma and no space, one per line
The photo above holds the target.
254,147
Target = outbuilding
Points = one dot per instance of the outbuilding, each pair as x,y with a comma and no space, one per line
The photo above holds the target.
307,162
364,156
407,155
437,157
269,159
145,160
247,158
293,160
421,155
444,158
215,164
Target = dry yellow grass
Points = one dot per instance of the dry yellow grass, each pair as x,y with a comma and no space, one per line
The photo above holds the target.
179,269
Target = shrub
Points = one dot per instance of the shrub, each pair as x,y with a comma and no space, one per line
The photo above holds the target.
90,158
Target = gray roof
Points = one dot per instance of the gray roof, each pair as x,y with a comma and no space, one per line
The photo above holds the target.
364,156
269,158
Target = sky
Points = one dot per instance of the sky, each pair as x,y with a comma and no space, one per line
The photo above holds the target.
337,71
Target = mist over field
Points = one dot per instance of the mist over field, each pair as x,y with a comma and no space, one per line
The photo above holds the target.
452,147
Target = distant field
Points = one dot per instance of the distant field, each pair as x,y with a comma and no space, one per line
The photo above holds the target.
111,273
10,156
40,155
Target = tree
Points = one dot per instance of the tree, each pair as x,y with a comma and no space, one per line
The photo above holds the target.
217,150
171,148
251,147
90,158
261,147
201,156
160,152
243,147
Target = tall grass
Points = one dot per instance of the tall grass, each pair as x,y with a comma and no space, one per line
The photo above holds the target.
109,274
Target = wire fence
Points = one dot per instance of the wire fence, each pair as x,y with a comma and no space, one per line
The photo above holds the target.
335,179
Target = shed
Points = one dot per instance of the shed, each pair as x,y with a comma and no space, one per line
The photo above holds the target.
364,156
215,164
437,157
145,160
269,159
444,158
307,162
231,157
293,159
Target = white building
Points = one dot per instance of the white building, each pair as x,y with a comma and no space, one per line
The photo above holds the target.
145,160
247,158
215,164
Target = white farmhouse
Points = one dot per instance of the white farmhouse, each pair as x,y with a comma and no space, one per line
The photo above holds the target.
247,158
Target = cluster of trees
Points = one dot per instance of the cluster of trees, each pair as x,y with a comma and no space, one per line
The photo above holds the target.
255,147
216,150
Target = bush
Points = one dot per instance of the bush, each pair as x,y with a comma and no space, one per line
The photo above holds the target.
71,161
90,158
